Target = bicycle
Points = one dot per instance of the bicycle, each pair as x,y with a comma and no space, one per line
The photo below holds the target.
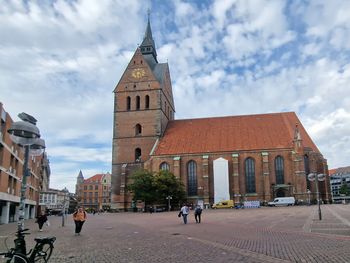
40,253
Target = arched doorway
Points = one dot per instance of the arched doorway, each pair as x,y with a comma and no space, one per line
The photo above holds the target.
281,192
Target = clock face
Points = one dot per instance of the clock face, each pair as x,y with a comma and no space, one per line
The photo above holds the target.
138,73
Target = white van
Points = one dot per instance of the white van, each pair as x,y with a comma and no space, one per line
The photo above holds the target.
281,201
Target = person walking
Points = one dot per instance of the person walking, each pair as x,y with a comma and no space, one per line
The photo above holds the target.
185,211
198,213
41,219
79,217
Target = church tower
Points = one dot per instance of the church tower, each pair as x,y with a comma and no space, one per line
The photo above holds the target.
143,105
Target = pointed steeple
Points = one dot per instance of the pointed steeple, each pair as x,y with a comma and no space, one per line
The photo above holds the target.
80,175
148,46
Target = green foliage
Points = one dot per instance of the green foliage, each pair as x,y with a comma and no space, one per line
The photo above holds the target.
344,190
143,186
155,187
168,185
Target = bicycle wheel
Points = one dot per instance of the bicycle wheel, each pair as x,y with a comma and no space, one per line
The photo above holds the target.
15,258
44,253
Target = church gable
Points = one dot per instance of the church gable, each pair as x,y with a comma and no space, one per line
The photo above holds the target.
137,71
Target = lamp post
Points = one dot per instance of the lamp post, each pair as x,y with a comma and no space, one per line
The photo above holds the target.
169,197
317,177
26,134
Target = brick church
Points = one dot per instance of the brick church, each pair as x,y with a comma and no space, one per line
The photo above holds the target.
249,157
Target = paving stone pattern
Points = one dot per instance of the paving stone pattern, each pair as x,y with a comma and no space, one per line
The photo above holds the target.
276,234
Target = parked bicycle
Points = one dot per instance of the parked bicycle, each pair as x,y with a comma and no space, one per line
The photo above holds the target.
40,253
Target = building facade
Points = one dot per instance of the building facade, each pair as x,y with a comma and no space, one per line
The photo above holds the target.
252,157
11,174
94,193
55,201
338,178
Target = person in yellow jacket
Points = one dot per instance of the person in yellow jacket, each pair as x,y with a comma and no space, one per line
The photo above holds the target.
79,220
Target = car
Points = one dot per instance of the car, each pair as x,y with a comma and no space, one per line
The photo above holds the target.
282,201
224,204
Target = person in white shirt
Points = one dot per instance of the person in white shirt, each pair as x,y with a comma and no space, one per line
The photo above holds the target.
185,211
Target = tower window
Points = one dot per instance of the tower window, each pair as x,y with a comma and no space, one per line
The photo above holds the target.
128,103
141,61
137,155
137,102
147,102
138,129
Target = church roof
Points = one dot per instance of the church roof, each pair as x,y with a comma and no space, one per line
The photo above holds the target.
94,179
232,133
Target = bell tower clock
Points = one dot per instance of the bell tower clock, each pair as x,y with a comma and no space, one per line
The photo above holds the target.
143,105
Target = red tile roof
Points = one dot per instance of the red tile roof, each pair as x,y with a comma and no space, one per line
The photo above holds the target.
232,133
339,171
95,178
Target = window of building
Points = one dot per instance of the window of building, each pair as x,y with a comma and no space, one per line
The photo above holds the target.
307,170
137,155
90,187
192,178
137,102
249,165
138,129
164,166
279,170
128,103
96,187
85,187
147,102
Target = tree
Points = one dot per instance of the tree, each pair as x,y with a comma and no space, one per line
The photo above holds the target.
155,187
344,189
143,186
168,185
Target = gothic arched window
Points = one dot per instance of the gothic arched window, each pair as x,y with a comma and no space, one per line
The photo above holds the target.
307,170
138,129
147,102
191,178
128,103
249,165
279,170
164,166
137,102
137,155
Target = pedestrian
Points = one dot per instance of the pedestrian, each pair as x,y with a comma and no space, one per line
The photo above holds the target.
41,219
184,212
198,213
79,217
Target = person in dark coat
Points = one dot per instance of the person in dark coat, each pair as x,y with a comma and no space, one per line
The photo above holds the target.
198,213
41,219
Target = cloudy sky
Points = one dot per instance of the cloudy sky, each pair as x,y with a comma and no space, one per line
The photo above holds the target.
61,59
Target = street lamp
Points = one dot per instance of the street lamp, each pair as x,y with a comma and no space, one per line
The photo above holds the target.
26,134
317,177
169,197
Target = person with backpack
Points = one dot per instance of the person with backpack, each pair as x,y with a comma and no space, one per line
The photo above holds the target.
198,213
79,220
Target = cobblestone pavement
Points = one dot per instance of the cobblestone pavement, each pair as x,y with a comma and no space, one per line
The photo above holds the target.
276,234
